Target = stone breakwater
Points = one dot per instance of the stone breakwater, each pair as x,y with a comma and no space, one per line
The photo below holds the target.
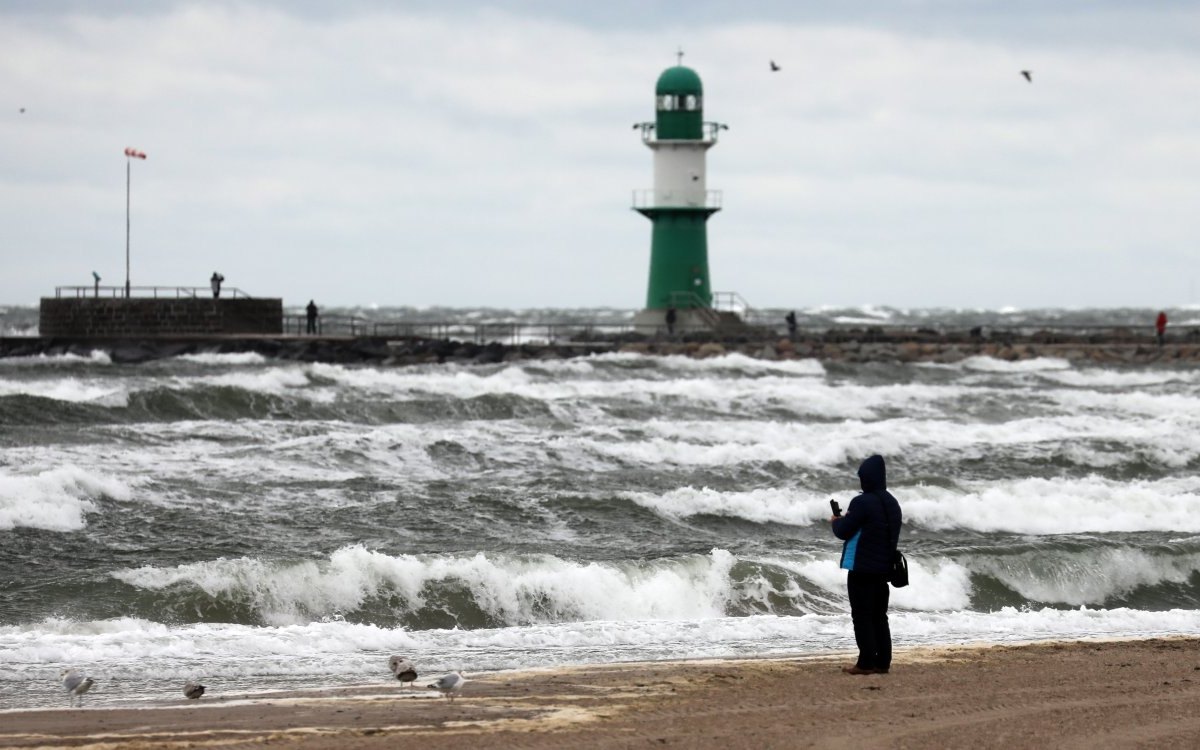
839,346
942,352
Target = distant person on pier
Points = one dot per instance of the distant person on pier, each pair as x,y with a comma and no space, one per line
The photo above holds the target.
216,280
671,321
791,324
1160,326
311,312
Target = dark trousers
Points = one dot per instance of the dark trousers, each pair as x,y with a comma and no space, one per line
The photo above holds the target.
868,610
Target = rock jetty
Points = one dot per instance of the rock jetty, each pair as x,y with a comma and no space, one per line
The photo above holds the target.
1110,347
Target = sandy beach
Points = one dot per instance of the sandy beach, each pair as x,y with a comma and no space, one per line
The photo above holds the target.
1143,693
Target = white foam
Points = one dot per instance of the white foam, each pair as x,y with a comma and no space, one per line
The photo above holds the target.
511,589
127,653
781,382
760,505
337,451
936,585
301,451
819,445
1036,506
76,390
230,358
1179,407
1035,364
1104,378
55,500
1085,577
273,380
738,363
95,357
122,644
719,384
520,590
866,315
1031,506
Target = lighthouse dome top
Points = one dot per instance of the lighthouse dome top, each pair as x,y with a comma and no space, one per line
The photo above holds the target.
679,80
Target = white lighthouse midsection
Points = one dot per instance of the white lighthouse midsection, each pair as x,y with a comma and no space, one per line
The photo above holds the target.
679,174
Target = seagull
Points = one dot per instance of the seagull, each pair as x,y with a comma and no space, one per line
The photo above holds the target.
1028,75
403,669
774,67
449,685
193,690
76,684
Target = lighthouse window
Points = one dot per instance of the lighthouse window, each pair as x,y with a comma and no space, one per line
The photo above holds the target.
691,103
668,102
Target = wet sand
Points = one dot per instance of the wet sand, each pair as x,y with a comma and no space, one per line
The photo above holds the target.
1110,694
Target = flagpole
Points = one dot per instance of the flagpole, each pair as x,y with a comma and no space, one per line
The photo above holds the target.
130,153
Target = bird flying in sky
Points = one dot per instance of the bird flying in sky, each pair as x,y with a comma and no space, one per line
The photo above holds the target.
774,67
1028,75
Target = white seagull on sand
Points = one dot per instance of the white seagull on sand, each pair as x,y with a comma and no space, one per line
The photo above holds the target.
76,684
403,669
193,690
449,685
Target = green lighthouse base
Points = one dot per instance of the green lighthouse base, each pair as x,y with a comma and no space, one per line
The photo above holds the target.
694,321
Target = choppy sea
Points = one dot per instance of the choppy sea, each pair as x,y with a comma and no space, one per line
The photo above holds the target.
262,524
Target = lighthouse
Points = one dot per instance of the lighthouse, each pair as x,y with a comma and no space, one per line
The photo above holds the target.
680,203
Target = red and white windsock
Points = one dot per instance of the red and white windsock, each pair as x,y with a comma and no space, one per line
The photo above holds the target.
134,153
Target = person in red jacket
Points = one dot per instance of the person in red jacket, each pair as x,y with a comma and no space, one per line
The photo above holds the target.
1160,325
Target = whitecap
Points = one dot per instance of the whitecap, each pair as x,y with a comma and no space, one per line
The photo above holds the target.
513,589
229,358
56,499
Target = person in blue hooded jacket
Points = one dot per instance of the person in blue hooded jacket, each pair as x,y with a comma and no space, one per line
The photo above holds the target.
870,531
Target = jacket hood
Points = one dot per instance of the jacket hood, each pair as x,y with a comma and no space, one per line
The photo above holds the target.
873,474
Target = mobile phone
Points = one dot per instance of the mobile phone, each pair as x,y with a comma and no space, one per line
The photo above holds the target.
837,509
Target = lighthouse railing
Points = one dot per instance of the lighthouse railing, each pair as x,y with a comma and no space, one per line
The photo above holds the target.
656,198
734,302
685,300
730,302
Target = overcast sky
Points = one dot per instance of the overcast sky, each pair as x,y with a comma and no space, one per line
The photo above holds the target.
481,154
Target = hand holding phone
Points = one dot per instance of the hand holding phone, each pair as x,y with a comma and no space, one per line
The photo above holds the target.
837,509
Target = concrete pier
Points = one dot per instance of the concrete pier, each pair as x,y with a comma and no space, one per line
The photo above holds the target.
96,317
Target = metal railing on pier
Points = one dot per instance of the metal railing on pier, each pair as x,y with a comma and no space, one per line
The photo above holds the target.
581,333
479,333
151,292
513,334
328,325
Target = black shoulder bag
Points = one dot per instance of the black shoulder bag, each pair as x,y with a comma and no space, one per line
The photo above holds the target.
898,575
